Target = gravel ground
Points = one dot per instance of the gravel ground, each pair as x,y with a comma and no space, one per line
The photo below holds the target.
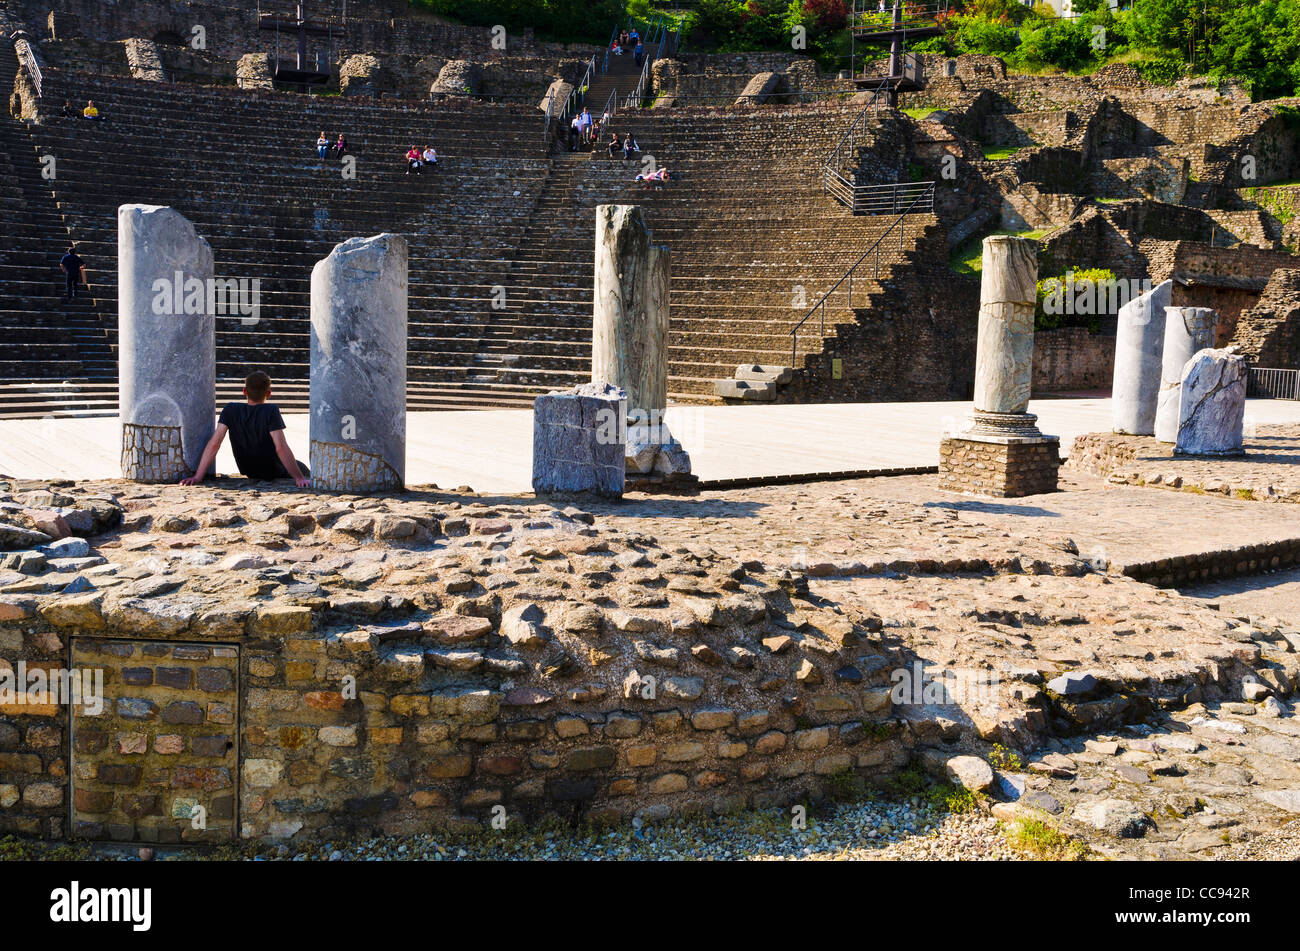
868,830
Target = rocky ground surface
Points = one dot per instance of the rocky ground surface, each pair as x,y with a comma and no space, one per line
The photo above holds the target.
1137,722
1266,472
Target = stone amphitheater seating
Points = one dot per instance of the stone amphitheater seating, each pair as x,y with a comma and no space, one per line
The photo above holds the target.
747,225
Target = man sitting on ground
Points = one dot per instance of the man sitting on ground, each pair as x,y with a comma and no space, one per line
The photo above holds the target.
256,437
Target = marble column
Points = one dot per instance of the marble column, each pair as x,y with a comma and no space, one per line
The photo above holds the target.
1139,349
1212,404
166,343
629,347
1002,453
358,366
1004,349
1187,330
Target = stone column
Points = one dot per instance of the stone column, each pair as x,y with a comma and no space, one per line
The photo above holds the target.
629,347
1004,349
1212,404
358,366
1002,453
1187,330
1139,348
578,441
166,343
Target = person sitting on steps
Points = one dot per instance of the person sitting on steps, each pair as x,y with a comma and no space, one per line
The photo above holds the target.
613,144
413,160
429,155
256,438
67,111
322,146
341,146
91,111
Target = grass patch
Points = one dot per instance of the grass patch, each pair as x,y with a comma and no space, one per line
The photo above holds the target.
914,783
968,258
1246,494
918,113
14,849
998,153
1043,841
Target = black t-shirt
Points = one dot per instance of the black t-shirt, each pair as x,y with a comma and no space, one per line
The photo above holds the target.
250,428
70,263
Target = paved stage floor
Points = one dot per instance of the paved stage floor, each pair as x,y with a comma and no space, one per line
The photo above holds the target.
491,450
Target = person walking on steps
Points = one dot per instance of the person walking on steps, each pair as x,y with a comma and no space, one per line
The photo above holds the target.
74,272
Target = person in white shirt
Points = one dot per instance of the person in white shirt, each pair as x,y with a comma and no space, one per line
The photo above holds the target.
430,155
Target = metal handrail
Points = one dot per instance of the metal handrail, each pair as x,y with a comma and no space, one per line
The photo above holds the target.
611,107
1276,383
911,16
884,199
27,57
835,159
613,38
571,102
848,276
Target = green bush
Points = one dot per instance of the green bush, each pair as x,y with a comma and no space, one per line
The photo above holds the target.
1045,319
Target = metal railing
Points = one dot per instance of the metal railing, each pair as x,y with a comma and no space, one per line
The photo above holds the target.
613,38
879,94
888,199
819,308
575,98
867,17
1273,383
27,58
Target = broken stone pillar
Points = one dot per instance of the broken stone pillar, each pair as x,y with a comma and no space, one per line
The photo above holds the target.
1187,330
629,346
358,366
167,348
1139,350
1212,404
578,440
1002,453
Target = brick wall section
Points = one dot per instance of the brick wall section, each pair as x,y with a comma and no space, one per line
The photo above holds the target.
401,726
163,745
1072,358
33,734
1000,470
1269,332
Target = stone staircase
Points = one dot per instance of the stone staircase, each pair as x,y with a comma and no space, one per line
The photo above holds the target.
45,338
750,232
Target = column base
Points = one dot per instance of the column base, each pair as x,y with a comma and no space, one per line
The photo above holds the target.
1001,467
339,468
153,453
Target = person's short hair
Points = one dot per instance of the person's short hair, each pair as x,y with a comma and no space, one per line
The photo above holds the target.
257,386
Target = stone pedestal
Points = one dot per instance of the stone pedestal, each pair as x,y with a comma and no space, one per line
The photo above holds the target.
578,441
1002,467
1212,404
358,366
1187,330
1139,350
630,339
1002,453
166,343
